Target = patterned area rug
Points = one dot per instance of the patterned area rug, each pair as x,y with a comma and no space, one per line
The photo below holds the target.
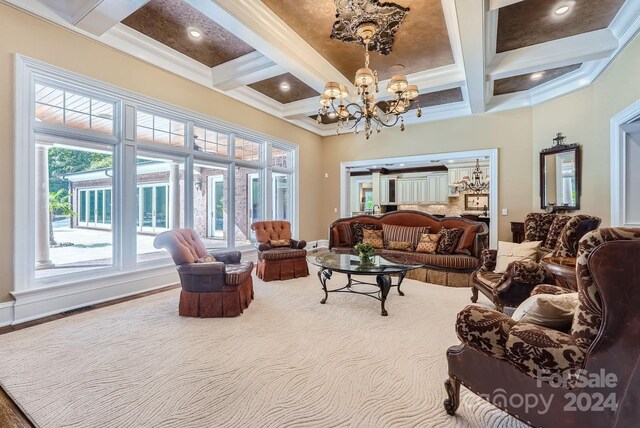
288,361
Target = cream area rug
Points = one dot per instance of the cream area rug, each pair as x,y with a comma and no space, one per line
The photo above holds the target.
288,361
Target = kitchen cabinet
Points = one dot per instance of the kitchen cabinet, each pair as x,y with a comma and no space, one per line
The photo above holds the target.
388,190
432,189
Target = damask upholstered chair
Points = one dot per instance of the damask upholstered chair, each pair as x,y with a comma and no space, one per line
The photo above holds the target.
215,284
500,358
279,256
559,235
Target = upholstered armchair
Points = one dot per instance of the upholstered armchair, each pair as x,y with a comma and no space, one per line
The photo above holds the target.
500,358
216,284
559,235
279,256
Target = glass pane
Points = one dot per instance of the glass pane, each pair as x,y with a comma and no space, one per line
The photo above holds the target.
50,96
160,189
48,114
144,119
77,120
247,150
177,128
248,204
99,124
161,137
77,196
161,123
281,197
280,157
177,140
145,134
77,103
210,203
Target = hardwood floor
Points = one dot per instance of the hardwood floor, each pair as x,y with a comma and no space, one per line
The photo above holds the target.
10,415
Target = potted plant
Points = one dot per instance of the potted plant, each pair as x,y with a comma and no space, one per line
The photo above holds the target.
365,252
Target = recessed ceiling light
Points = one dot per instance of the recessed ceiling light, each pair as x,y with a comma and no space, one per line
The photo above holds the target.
450,161
537,76
194,32
401,164
562,10
285,86
332,114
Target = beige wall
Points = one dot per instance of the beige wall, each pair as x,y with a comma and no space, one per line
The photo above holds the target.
583,117
26,35
509,131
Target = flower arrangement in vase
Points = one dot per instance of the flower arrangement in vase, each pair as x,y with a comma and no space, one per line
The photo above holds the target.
365,252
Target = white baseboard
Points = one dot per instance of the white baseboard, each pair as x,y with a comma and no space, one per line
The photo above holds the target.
6,313
39,303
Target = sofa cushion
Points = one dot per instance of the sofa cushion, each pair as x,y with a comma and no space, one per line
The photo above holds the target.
466,241
403,233
357,229
428,243
206,259
345,234
444,261
449,240
548,310
509,252
373,238
236,274
280,242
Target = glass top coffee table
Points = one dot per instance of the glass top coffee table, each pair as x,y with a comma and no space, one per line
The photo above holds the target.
382,267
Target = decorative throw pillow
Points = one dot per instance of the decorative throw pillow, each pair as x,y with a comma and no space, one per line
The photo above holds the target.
403,233
345,234
548,310
373,237
402,246
467,239
206,259
428,243
357,229
280,242
448,240
511,252
554,231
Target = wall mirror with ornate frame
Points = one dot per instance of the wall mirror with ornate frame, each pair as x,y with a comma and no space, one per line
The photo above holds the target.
560,176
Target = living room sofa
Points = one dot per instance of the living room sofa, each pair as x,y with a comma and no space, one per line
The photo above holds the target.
453,270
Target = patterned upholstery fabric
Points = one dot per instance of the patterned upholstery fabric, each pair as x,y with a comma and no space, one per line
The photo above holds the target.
527,271
445,261
588,317
402,246
449,240
282,254
358,228
484,330
535,350
403,233
238,273
206,259
489,257
428,243
345,234
280,242
537,225
554,231
373,238
489,278
550,289
574,229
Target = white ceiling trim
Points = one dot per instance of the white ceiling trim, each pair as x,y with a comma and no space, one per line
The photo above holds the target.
471,20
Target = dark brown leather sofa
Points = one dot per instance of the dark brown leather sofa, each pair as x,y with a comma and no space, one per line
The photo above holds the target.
453,270
507,362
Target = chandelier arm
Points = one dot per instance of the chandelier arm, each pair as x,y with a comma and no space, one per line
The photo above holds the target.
389,124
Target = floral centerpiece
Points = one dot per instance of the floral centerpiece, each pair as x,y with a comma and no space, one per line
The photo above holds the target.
365,252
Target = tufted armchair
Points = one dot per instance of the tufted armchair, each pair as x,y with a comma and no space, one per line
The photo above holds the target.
279,256
500,358
214,284
559,235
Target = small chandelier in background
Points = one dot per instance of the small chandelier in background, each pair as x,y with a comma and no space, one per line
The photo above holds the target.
369,23
475,184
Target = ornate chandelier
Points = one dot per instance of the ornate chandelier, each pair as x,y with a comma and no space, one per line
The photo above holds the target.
475,184
372,24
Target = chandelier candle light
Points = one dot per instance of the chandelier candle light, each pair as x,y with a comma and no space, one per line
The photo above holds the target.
373,113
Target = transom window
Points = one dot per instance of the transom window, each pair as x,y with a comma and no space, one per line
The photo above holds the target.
210,141
157,129
60,107
280,157
247,150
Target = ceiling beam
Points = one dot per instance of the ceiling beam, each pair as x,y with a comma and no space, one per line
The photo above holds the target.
556,53
250,68
471,21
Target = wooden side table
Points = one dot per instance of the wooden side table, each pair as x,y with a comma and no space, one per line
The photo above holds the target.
563,269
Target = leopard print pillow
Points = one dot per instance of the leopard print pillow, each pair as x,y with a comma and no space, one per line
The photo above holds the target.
373,237
449,240
428,243
358,228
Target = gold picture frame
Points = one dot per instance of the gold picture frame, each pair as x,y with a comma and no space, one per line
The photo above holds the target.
476,202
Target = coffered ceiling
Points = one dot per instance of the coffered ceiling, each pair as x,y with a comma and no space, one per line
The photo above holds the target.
465,56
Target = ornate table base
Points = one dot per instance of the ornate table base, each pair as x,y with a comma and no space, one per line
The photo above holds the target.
383,282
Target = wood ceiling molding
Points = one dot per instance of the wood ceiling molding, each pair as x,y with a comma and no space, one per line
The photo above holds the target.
421,43
431,99
531,22
271,88
524,82
167,21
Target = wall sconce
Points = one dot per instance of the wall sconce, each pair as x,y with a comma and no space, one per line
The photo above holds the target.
199,183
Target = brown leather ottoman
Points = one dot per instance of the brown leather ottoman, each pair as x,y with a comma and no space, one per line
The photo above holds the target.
282,264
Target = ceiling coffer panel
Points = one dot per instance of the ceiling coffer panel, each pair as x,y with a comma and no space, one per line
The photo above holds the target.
525,82
169,22
531,22
421,41
273,88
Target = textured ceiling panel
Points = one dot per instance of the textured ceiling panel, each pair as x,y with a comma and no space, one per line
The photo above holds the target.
298,90
422,42
524,82
425,100
168,21
531,22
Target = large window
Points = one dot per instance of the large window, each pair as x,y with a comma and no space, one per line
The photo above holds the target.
110,173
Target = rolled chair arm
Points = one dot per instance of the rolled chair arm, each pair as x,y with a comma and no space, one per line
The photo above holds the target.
227,257
526,272
201,269
298,245
488,259
263,247
550,289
